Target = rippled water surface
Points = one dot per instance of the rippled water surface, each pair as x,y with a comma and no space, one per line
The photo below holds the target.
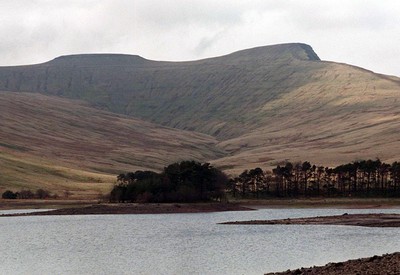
183,243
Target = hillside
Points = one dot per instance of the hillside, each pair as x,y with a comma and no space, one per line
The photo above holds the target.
63,144
212,96
255,107
343,114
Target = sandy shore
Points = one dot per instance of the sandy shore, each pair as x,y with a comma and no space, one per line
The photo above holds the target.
387,264
370,220
135,208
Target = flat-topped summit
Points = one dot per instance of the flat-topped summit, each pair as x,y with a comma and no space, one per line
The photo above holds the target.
97,60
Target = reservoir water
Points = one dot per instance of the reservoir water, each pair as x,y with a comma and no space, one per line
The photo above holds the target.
183,243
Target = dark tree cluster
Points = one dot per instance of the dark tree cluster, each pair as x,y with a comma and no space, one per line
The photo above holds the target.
359,178
26,194
186,181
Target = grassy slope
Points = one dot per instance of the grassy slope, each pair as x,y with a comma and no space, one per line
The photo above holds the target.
61,144
343,114
18,172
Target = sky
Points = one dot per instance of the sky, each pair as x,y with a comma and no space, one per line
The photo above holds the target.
364,33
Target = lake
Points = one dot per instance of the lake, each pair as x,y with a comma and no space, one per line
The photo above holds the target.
183,243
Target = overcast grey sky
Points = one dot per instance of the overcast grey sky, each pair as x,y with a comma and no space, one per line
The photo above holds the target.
365,33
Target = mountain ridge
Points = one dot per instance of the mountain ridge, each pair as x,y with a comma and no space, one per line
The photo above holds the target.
119,59
162,91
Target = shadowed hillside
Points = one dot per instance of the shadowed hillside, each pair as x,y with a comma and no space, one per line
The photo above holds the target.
59,143
219,96
262,106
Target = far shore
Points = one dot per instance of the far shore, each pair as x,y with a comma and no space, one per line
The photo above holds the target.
338,203
368,220
7,204
77,207
138,208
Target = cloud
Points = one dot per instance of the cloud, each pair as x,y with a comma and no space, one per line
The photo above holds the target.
359,32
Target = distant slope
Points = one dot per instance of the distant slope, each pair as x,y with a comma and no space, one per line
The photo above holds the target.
63,144
262,105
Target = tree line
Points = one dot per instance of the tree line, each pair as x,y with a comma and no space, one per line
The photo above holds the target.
27,194
190,181
358,178
186,181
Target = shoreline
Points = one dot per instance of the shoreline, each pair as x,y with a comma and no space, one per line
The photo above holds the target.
7,204
367,220
385,264
137,208
76,207
338,203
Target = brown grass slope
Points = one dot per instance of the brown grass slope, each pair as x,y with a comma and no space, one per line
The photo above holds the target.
61,144
343,114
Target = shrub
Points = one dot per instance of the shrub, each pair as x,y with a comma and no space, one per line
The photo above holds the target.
42,194
9,195
25,194
28,194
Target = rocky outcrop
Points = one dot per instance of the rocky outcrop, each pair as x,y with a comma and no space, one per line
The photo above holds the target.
388,264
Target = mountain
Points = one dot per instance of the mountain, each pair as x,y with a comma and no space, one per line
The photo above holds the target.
255,107
202,96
